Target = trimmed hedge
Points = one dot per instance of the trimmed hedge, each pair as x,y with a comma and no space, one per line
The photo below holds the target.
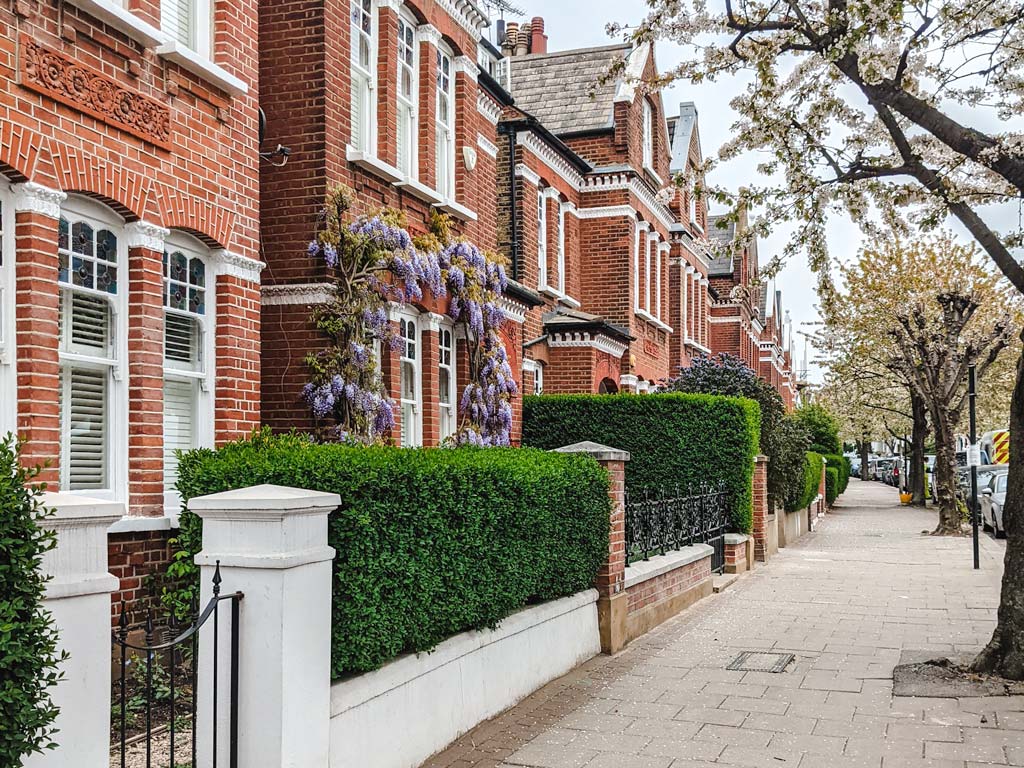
842,465
831,485
430,542
674,439
808,490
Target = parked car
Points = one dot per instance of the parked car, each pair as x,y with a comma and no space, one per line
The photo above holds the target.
992,500
881,469
855,467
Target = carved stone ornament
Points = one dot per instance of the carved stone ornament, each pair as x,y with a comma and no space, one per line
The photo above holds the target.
63,79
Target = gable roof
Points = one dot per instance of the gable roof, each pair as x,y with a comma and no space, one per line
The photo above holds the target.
562,89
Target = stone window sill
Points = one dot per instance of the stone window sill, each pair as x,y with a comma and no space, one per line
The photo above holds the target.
202,67
645,315
123,20
421,191
460,212
373,165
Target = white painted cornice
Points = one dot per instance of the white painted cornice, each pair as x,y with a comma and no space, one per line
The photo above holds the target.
142,234
599,341
239,266
35,198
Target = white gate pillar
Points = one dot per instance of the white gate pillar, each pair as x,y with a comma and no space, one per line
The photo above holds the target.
271,543
78,598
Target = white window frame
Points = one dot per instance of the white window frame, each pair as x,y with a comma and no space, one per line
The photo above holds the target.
542,238
648,136
364,79
410,105
651,241
412,433
98,216
448,421
657,280
201,21
538,378
638,231
561,248
445,149
201,377
8,358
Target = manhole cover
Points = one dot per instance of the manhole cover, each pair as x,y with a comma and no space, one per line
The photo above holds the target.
758,661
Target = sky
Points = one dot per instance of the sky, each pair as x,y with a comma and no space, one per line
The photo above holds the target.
581,23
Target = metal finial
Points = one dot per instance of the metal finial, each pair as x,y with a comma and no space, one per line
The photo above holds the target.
216,579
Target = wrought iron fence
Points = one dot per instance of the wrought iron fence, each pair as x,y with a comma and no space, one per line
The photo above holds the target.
154,709
659,521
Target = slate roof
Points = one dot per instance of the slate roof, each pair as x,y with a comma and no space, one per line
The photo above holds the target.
562,91
680,133
721,265
563,319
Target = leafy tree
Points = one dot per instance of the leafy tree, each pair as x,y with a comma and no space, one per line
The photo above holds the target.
28,642
821,426
866,108
726,374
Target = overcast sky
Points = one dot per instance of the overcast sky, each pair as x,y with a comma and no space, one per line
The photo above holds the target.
581,23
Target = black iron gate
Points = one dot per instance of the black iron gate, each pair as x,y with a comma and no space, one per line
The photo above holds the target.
666,519
158,687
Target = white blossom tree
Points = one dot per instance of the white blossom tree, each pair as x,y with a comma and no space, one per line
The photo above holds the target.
876,108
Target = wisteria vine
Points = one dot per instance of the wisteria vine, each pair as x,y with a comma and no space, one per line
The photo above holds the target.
374,262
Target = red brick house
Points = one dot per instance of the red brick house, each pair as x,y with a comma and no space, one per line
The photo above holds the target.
747,319
129,256
596,228
388,99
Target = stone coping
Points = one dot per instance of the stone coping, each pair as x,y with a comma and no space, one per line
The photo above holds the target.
644,570
732,539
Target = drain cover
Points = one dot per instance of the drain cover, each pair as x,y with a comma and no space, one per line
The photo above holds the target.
758,661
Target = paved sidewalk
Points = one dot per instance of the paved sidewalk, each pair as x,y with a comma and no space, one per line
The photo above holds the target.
846,600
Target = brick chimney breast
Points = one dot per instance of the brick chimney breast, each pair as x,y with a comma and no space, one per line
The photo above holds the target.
538,40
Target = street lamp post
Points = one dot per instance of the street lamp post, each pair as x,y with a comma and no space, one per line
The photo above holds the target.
975,509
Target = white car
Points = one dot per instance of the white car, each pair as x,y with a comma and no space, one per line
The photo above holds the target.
993,497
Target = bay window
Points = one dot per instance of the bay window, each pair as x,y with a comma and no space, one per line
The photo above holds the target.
91,256
445,124
409,384
364,65
185,339
446,380
408,66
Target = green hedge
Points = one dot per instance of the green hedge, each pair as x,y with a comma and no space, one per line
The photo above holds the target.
429,542
808,490
842,465
832,475
674,439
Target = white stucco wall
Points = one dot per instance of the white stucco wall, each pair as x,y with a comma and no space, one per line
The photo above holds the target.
393,717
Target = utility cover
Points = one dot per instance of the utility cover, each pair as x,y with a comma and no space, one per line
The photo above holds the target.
759,661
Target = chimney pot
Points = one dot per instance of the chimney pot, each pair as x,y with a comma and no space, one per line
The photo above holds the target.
538,40
523,44
511,38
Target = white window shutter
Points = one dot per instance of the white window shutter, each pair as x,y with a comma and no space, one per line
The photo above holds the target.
403,139
90,331
86,425
358,112
178,19
179,424
181,341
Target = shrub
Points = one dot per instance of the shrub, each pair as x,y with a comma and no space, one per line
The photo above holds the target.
429,542
831,485
804,494
674,439
823,428
842,467
28,641
792,442
726,374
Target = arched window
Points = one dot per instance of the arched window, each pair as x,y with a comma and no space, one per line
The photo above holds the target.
8,376
446,379
92,270
409,384
445,122
188,292
408,93
364,68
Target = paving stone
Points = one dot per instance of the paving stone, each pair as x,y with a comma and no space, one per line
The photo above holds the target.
551,756
983,753
687,749
613,760
734,736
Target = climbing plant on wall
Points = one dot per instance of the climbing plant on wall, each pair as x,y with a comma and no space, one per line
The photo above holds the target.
374,263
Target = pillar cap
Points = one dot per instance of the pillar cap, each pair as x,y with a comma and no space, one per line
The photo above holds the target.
72,507
268,498
598,451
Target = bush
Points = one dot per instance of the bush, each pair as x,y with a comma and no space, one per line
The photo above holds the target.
804,494
831,485
823,428
790,457
674,439
842,467
429,542
726,374
28,642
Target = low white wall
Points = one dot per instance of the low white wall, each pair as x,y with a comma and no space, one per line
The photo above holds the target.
401,714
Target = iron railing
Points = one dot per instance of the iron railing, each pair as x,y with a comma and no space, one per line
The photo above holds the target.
666,519
164,693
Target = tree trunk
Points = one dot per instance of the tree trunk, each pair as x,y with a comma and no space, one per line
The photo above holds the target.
945,475
865,453
915,472
1004,655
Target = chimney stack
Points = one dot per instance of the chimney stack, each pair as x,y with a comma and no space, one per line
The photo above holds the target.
538,40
